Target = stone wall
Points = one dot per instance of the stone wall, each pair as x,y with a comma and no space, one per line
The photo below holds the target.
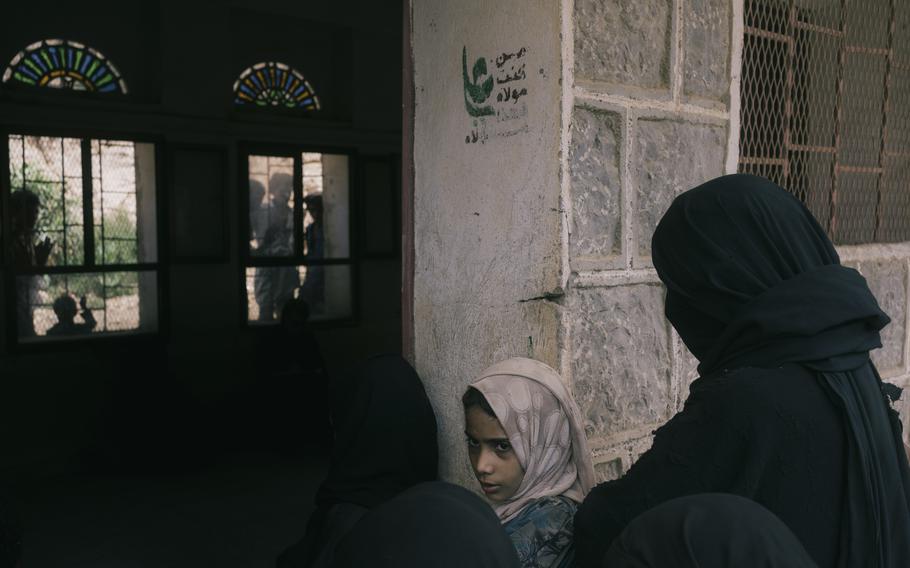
647,118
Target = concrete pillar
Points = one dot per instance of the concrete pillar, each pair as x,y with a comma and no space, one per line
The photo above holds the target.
487,211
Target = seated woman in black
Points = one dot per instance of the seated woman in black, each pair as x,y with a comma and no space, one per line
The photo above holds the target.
788,411
433,524
708,530
385,443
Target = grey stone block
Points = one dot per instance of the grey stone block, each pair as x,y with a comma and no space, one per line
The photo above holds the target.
706,49
888,281
596,196
625,42
671,156
620,357
608,470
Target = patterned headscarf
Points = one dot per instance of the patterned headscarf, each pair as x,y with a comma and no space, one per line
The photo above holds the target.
544,427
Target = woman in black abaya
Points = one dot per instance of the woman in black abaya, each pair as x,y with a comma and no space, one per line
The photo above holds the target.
385,443
788,410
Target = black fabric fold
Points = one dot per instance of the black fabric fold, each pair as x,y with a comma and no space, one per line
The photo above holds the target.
825,315
385,442
432,524
385,434
710,530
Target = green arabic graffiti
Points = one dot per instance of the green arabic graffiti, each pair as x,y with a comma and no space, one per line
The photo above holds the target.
476,92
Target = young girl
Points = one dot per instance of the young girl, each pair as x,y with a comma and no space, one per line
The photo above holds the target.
529,453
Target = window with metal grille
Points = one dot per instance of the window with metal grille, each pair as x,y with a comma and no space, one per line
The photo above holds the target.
298,241
81,236
825,110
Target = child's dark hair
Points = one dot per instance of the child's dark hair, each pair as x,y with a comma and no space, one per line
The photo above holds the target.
473,397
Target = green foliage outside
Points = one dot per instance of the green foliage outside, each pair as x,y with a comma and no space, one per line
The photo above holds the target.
118,224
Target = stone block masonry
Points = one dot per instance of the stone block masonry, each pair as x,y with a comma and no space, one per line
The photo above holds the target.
649,83
671,156
596,237
621,357
623,42
706,49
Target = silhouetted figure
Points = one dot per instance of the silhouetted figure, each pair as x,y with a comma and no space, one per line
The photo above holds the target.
65,309
275,285
302,342
258,216
293,371
313,288
27,253
385,443
24,207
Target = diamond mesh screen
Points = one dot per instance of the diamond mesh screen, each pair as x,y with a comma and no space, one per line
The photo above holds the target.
825,110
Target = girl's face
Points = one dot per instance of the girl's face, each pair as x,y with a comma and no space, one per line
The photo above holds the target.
494,461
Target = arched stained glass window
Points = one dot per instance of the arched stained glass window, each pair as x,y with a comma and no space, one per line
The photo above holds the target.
274,84
64,64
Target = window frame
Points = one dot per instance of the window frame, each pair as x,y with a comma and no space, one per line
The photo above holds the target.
18,91
246,260
10,273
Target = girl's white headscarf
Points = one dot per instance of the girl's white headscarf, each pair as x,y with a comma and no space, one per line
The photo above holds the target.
544,426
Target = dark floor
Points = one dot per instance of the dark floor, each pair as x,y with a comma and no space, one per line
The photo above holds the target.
239,511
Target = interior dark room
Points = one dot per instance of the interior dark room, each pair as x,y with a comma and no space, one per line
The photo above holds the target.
200,225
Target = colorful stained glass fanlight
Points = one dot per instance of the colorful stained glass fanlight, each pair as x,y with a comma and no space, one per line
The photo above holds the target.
64,64
273,84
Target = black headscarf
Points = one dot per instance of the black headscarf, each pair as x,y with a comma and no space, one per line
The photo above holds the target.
752,280
385,434
385,443
708,530
433,524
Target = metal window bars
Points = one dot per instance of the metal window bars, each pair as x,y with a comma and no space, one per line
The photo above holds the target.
825,110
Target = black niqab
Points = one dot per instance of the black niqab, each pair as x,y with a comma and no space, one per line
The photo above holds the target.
709,530
433,524
753,281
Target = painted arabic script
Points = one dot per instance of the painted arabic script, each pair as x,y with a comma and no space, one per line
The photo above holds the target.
505,114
